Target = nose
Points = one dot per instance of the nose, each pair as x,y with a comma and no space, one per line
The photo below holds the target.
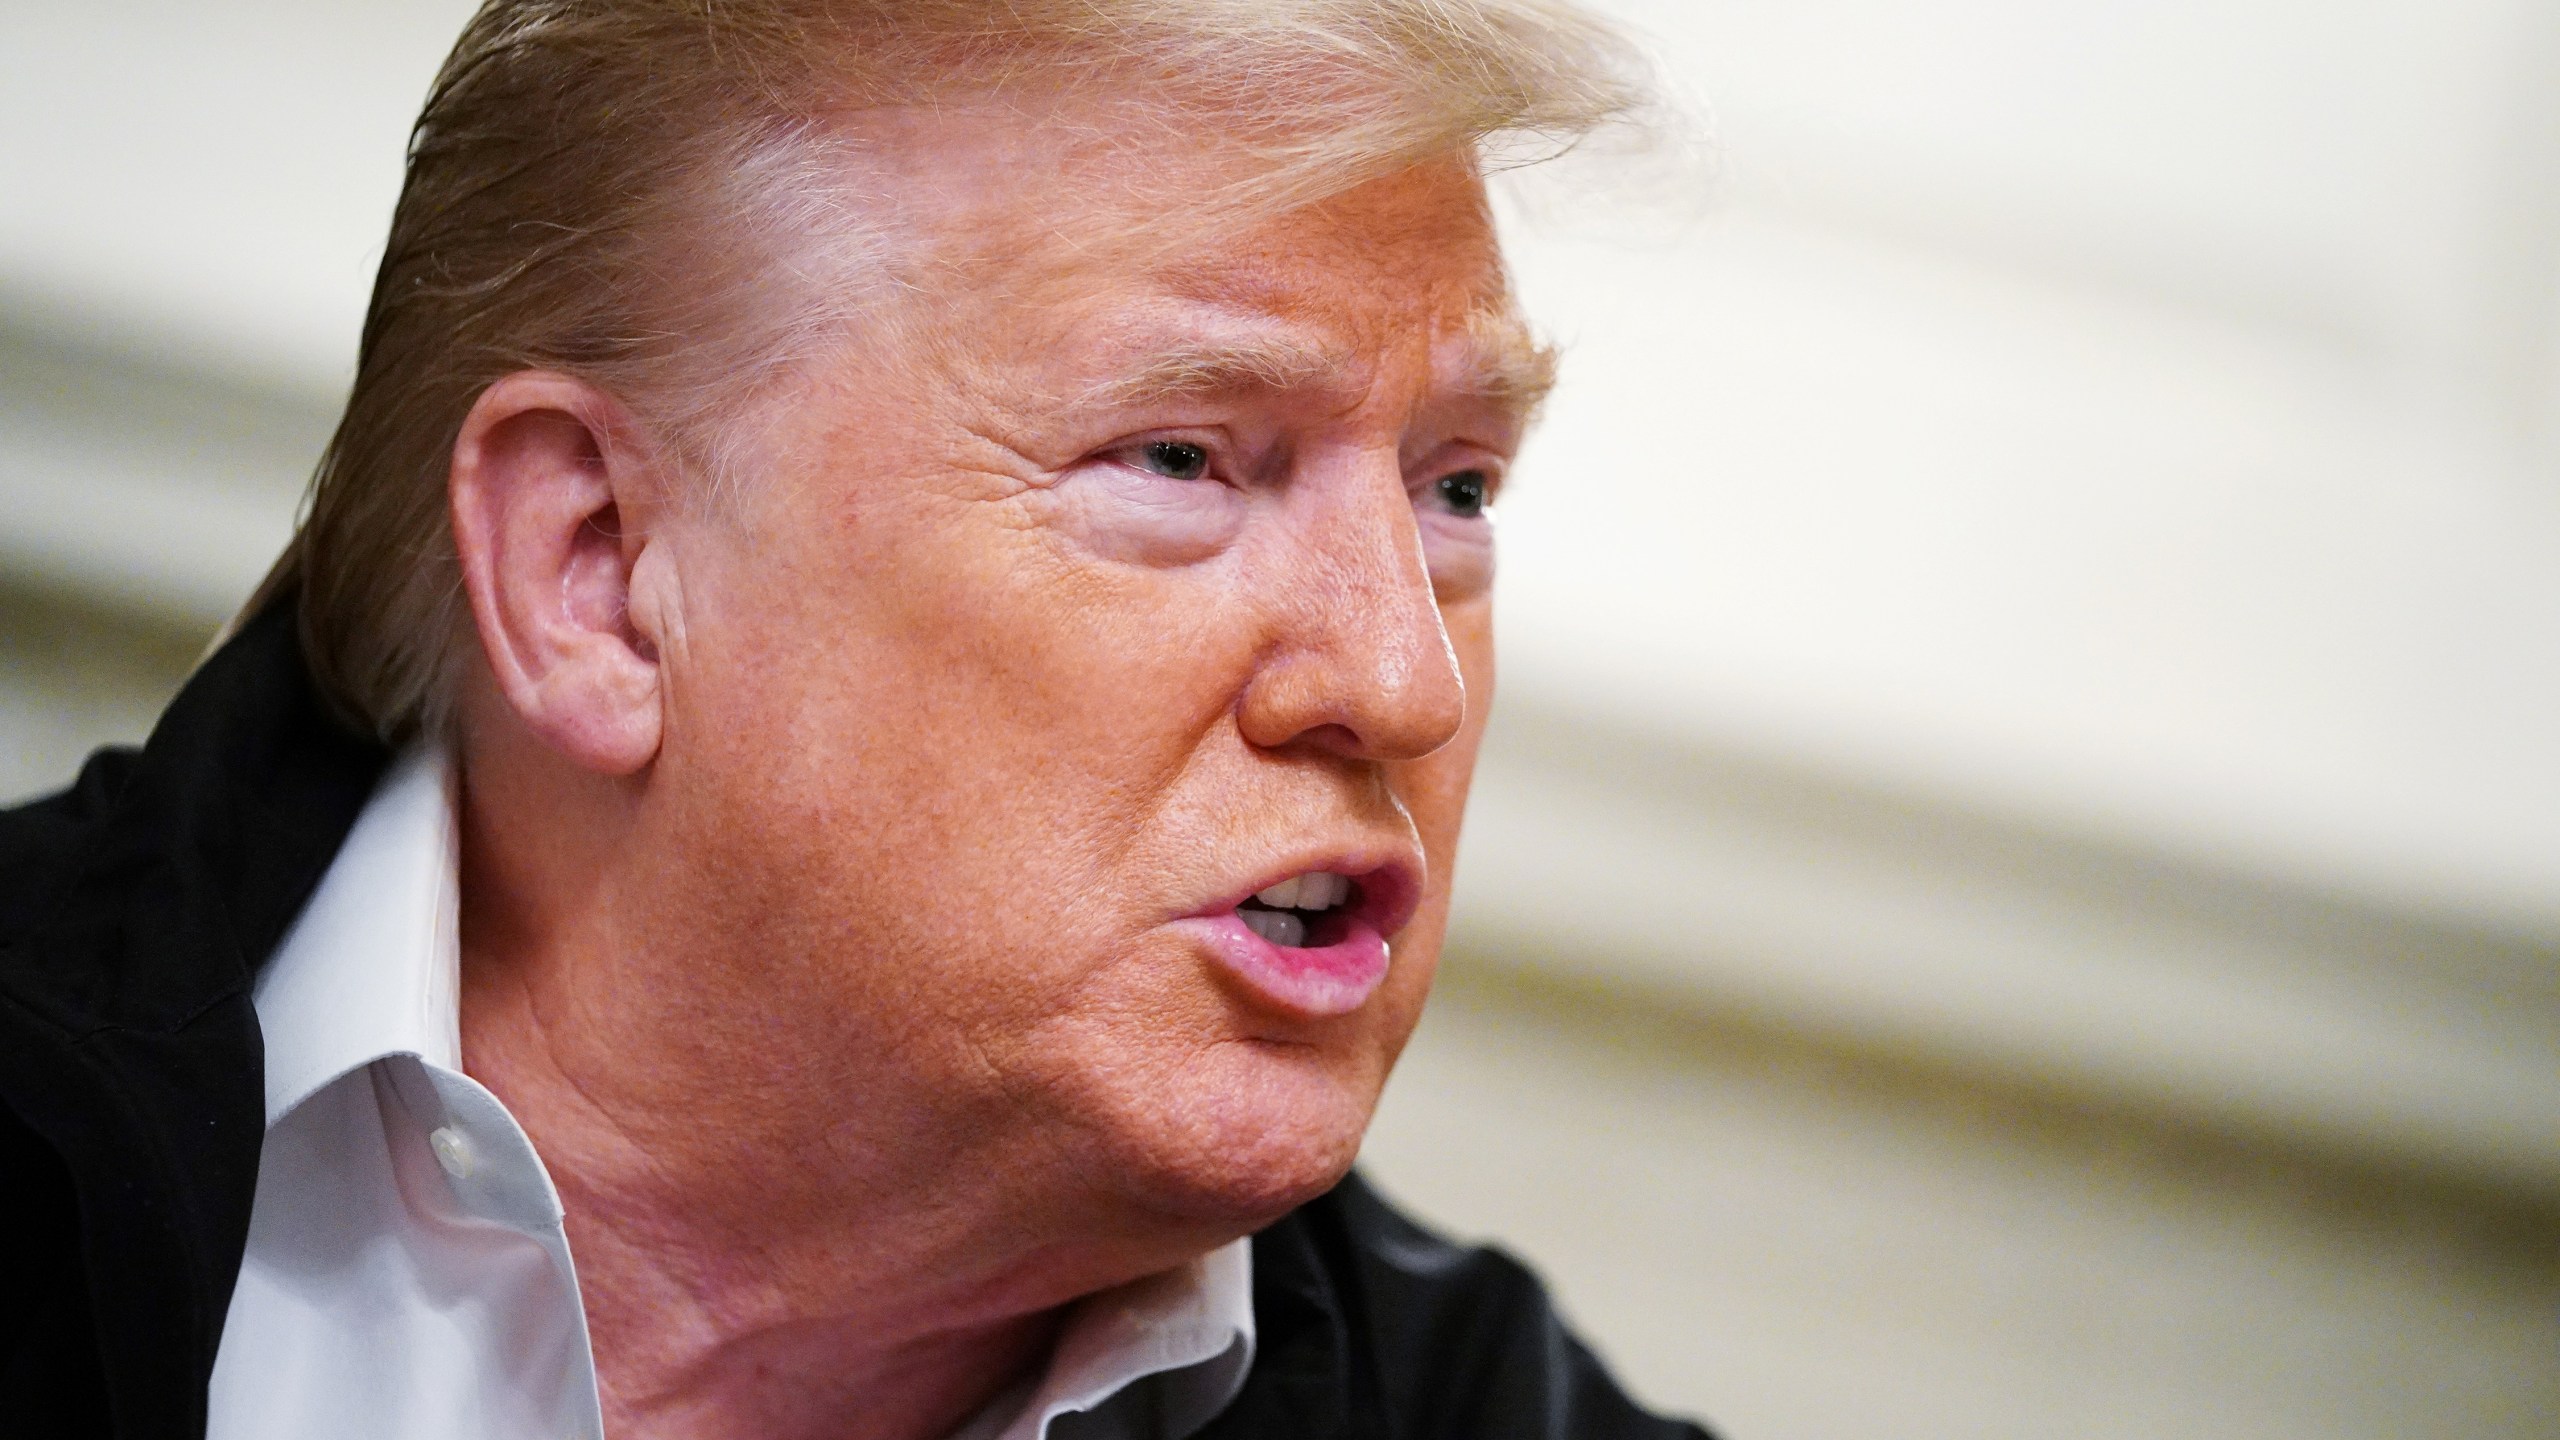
1358,661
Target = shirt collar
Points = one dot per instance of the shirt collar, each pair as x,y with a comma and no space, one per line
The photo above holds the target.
1187,1332
372,968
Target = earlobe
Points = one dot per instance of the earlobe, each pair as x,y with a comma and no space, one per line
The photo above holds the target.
553,497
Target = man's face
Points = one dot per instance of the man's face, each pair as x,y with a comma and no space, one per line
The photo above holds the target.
1035,652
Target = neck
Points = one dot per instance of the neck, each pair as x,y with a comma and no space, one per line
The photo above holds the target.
703,1328
772,1240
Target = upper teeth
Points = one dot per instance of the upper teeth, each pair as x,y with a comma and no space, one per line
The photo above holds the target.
1316,890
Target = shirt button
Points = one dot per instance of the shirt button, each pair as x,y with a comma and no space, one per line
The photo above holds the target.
453,1151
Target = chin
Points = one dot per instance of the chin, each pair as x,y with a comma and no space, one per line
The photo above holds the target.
1249,1132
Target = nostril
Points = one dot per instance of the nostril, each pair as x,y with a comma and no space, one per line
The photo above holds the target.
1341,739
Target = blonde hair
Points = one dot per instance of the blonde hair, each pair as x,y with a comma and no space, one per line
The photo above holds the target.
567,146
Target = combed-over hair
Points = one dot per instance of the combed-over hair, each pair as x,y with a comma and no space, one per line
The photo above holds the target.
566,144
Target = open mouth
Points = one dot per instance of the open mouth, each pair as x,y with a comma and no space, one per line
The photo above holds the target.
1303,912
1314,944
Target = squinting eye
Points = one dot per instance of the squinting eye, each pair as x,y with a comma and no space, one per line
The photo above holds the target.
1464,492
1174,460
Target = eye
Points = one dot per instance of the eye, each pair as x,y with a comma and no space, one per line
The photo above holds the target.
1173,459
1464,492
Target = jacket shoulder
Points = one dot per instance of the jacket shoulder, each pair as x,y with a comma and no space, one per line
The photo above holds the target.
135,910
42,840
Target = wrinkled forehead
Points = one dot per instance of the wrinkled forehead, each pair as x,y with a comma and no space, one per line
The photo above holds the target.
1025,200
1399,274
1408,252
1486,357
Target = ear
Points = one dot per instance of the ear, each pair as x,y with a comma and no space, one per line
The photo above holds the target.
553,497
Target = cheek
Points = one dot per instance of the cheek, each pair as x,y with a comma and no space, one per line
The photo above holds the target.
956,807
980,721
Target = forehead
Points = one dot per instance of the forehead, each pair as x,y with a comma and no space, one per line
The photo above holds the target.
1111,180
1118,239
1413,243
1402,267
1402,272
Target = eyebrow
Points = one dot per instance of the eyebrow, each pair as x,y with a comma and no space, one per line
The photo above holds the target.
1504,361
1227,367
1498,360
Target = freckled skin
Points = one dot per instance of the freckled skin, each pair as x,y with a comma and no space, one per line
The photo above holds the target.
849,1001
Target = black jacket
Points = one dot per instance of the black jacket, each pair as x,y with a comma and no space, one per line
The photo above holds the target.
136,907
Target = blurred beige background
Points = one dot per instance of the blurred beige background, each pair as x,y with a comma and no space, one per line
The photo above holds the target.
2016,886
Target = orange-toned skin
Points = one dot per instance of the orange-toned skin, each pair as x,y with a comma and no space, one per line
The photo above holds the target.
823,855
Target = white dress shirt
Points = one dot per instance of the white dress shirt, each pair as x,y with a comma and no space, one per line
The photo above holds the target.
407,1275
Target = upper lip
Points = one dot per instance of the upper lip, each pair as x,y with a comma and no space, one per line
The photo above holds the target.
1389,886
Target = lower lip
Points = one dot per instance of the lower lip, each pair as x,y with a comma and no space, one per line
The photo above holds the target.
1312,981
